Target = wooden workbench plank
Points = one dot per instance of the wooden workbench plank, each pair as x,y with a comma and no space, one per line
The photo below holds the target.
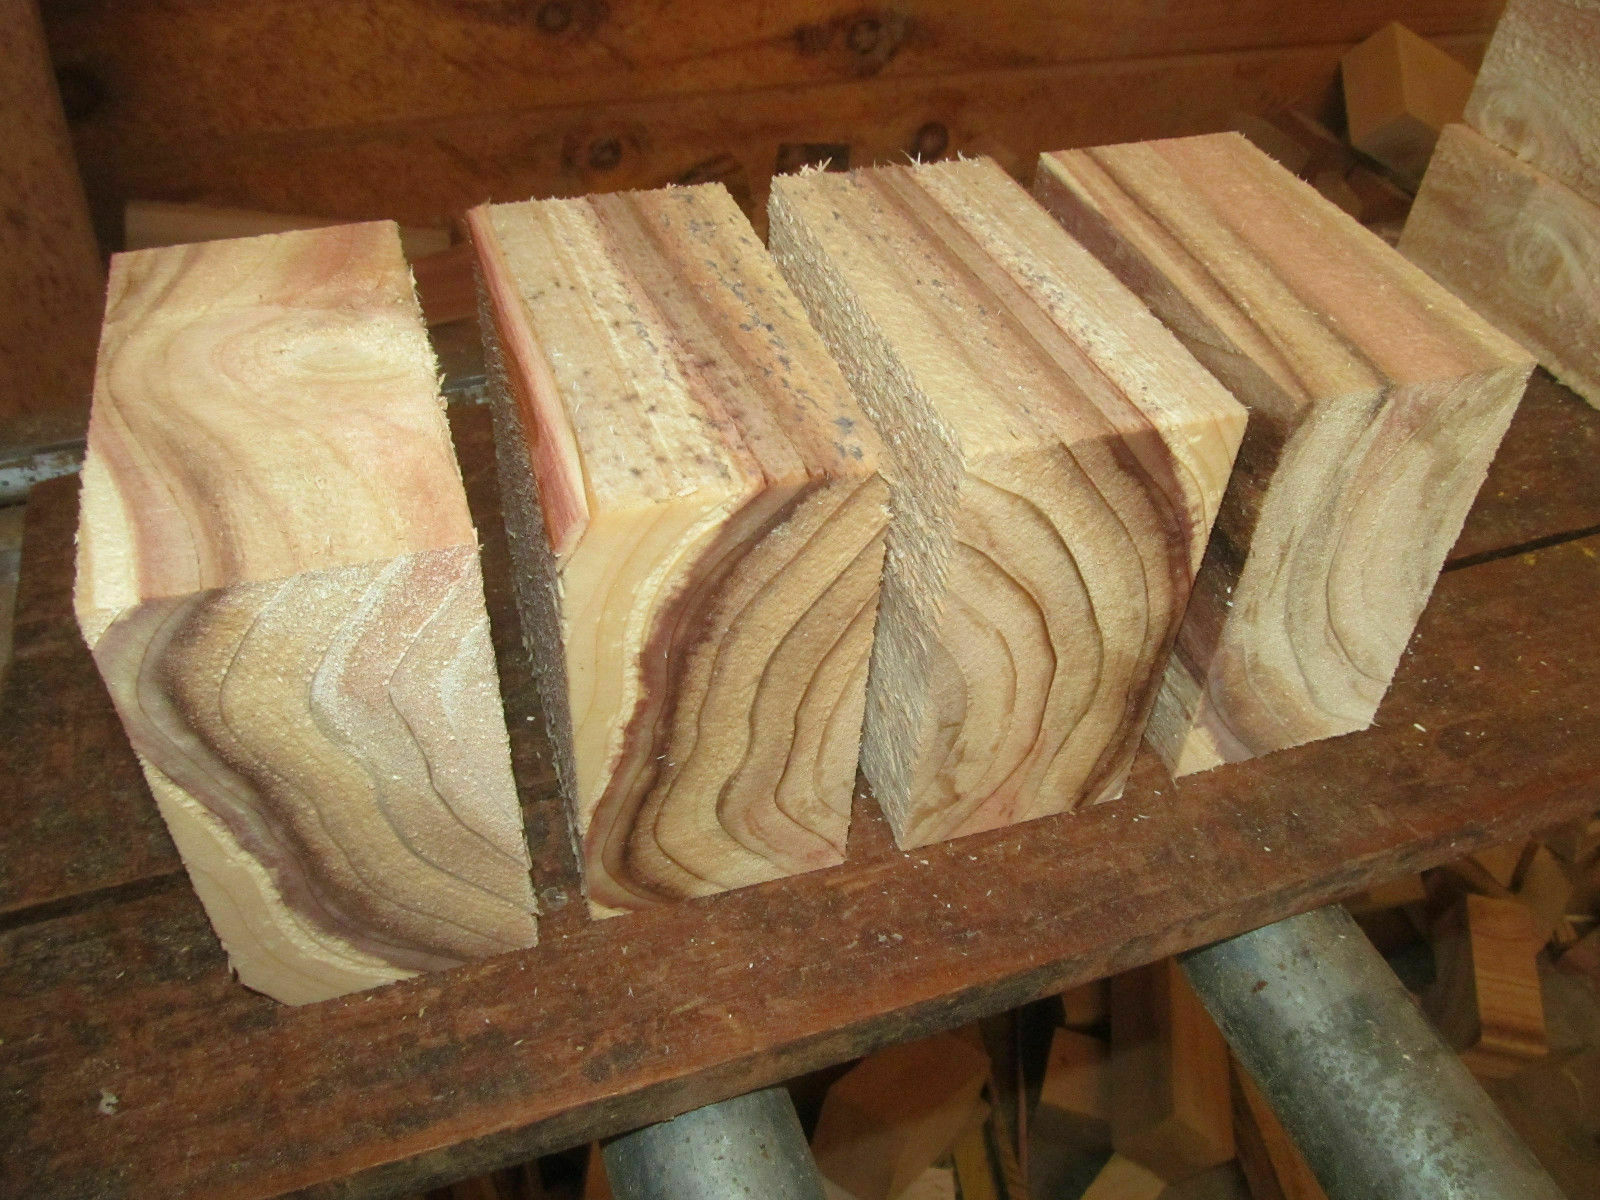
1489,732
1542,483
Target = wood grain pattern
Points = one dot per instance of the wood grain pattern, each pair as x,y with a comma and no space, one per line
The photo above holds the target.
1059,460
182,69
420,171
1538,91
229,1096
83,822
1377,401
701,585
1520,247
279,582
51,278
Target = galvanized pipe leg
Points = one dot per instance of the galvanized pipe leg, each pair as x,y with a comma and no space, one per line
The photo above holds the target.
747,1148
1379,1105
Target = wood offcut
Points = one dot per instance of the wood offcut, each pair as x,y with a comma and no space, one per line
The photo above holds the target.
697,524
1518,245
1058,458
1377,401
279,580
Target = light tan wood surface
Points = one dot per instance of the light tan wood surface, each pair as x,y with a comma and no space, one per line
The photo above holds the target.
1400,91
1377,401
896,1113
1075,1097
51,281
1170,1109
279,580
1123,1179
1059,458
697,520
1538,91
1520,247
1272,1163
1486,1000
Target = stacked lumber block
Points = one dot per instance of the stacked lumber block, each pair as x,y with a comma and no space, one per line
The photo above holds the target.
1058,460
697,522
1508,216
1170,1106
1377,401
896,1114
279,581
1400,91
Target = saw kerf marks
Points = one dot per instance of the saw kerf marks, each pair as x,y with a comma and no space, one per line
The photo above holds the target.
706,631
1377,401
1059,459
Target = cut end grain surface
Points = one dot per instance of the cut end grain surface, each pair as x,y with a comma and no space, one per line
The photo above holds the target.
1377,400
279,580
1059,459
705,569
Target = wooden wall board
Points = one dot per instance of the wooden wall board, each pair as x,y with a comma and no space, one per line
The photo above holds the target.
422,171
1538,90
51,280
1377,402
197,68
1519,246
221,1093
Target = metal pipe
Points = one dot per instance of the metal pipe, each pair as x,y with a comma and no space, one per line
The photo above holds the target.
747,1148
1379,1105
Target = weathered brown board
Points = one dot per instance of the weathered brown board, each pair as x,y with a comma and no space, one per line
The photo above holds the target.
221,1093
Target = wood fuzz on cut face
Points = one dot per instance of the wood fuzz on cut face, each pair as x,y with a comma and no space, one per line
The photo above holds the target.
697,522
1059,458
1376,400
279,581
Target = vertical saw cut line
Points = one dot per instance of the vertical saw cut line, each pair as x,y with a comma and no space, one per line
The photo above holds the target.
702,635
1058,459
